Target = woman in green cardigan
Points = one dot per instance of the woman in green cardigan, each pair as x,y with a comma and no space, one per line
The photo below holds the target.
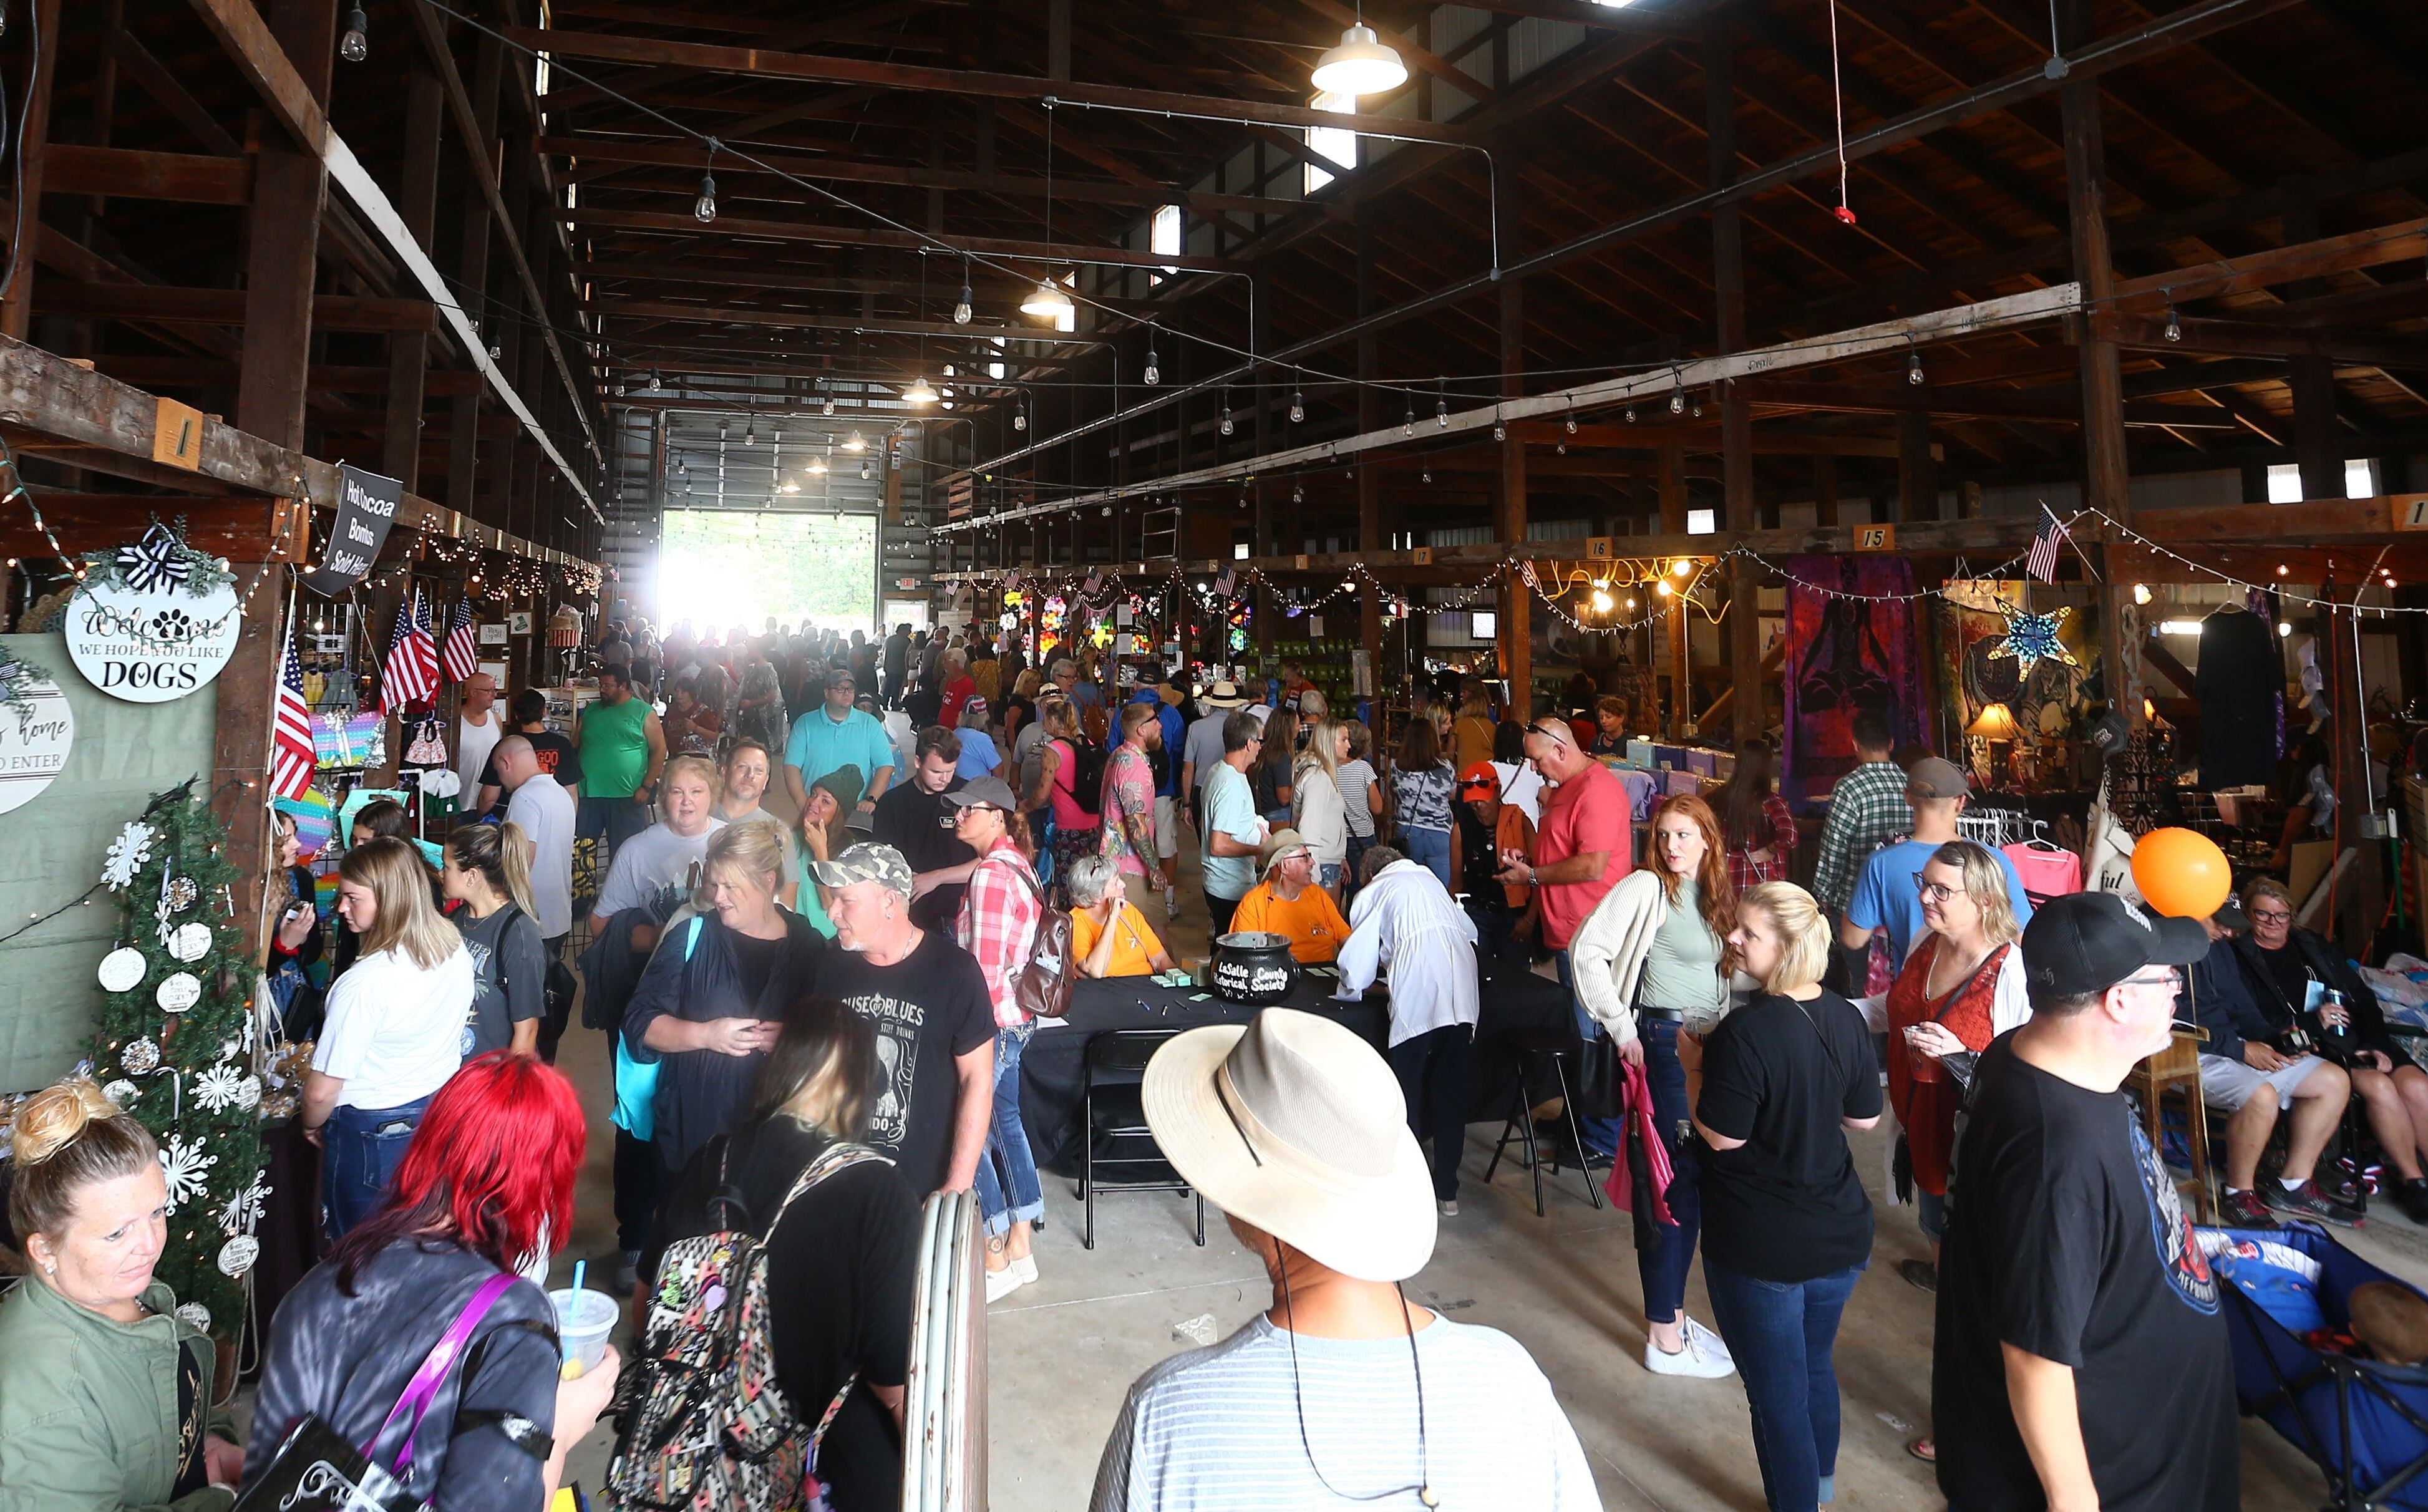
105,1392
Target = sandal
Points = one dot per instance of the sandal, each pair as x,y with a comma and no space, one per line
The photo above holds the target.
1924,1450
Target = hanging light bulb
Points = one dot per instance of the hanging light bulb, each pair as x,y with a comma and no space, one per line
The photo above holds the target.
1298,493
1047,301
1298,407
1428,474
1677,393
964,307
1913,366
817,465
1441,411
863,470
1227,427
355,46
1500,427
750,434
1602,599
1020,419
1662,588
1362,64
2174,331
1631,414
1153,374
1571,424
2141,593
1682,567
919,393
1408,424
703,210
1562,449
855,442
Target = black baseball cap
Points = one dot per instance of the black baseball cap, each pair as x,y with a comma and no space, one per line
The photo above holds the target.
2089,942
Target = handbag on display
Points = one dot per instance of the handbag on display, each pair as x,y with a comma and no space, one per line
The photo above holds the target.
315,1470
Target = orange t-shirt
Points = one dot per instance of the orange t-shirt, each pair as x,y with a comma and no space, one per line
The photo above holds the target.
1312,921
1134,943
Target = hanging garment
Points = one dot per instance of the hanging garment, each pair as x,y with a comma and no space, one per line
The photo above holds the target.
2242,668
2047,872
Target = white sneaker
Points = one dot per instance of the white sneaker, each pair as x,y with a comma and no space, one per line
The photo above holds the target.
1025,1268
1003,1283
1704,1357
1172,905
1449,1206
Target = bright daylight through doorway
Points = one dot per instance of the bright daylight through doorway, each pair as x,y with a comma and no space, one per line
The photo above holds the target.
724,568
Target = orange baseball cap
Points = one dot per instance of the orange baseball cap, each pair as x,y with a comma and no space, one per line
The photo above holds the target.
1478,782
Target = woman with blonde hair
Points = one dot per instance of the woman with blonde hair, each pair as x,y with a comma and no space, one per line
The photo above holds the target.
1472,732
713,994
105,1392
841,1250
1317,813
1651,964
394,1031
488,871
1787,1228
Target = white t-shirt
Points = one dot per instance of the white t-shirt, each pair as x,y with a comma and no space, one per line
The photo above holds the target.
1216,1429
545,810
395,1032
473,744
650,862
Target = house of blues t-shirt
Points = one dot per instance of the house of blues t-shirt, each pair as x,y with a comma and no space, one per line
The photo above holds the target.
927,1008
2066,1239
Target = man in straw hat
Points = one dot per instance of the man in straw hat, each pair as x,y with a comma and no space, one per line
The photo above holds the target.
1340,1393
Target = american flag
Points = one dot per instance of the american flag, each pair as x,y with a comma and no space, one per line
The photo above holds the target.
2042,563
290,734
463,657
411,675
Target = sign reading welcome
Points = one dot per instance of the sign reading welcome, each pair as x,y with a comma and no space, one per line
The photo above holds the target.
153,644
366,508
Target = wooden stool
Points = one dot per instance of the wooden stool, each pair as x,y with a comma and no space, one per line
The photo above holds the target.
2178,1068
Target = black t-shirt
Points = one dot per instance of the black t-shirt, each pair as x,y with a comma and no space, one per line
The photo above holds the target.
509,976
2066,1239
755,961
912,820
1479,858
1786,1206
2289,971
927,1009
556,757
925,706
841,1269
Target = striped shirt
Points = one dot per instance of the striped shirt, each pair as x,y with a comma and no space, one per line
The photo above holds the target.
1218,1428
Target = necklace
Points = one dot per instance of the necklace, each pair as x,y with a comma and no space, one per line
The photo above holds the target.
1423,1486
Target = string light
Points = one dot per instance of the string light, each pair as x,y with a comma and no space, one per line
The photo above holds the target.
703,210
1298,407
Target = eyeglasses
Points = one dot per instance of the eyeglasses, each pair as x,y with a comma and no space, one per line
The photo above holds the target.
2172,981
2271,916
1935,891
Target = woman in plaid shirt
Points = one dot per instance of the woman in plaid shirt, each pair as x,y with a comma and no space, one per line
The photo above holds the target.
998,926
1759,829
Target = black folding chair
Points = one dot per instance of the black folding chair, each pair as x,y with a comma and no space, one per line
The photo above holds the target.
1113,1115
1539,1051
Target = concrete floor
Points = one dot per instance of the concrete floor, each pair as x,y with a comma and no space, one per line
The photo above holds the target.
1063,1351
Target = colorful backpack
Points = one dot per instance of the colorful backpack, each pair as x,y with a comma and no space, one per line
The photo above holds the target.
701,1424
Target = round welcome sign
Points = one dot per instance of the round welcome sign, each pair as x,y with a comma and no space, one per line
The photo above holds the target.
150,645
35,733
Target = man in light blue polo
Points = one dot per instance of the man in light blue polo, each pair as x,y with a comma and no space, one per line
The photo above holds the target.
834,735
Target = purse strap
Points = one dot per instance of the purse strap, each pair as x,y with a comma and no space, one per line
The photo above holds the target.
442,1358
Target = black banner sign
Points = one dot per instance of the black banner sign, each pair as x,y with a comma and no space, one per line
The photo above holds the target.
366,508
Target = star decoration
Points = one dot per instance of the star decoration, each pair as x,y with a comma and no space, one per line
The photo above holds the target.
2031,637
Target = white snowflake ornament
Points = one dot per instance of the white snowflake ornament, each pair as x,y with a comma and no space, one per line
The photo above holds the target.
220,1089
131,849
185,1167
243,1210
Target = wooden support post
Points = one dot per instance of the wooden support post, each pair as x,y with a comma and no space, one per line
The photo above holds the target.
1369,480
1917,469
16,304
2360,896
1671,464
1261,615
2318,437
408,351
1825,490
1517,622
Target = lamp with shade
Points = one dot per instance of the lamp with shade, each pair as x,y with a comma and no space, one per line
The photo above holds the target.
1995,724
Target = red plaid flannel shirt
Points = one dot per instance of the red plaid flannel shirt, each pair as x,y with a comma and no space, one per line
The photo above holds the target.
999,927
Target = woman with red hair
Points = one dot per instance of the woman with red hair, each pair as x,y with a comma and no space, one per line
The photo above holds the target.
484,1188
1650,962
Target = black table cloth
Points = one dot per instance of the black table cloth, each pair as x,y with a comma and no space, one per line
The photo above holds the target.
1054,1072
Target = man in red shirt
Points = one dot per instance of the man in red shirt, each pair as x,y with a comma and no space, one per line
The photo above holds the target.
1583,845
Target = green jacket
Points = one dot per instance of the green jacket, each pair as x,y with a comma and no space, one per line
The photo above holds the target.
89,1406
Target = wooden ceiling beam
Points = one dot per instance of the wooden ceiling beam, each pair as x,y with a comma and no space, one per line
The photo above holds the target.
2250,339
1936,400
1053,255
809,321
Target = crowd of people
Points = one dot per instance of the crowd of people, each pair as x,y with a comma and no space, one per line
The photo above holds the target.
816,1025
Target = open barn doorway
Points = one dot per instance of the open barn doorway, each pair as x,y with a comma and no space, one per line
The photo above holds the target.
727,568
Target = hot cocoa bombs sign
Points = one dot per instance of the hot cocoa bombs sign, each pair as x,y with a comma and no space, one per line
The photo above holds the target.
151,645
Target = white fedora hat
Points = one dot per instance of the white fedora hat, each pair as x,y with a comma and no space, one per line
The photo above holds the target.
1294,1125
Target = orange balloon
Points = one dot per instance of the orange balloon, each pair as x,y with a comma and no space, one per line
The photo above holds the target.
2181,873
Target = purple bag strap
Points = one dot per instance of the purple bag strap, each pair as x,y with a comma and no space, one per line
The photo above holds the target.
441,1359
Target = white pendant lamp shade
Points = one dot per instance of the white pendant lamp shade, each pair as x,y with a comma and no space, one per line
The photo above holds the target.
1360,65
919,393
1047,301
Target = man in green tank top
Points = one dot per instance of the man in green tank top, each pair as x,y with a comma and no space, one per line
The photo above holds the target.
623,750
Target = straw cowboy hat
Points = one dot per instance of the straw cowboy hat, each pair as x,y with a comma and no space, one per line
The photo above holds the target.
1294,1125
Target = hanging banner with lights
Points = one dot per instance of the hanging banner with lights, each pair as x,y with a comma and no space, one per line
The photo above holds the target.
366,510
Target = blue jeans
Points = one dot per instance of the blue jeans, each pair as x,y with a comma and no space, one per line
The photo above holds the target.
1661,1265
1014,1195
1931,1211
1496,933
1429,848
1354,867
1782,1337
361,1148
1602,1134
1041,831
610,821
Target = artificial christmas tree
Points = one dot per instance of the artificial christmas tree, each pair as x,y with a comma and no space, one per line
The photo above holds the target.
175,1047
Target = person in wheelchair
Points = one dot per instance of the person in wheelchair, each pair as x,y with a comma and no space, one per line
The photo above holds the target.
2255,1067
2284,968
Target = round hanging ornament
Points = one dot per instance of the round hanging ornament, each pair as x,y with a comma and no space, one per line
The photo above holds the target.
182,890
179,993
141,1057
190,942
121,970
238,1255
196,1316
121,1092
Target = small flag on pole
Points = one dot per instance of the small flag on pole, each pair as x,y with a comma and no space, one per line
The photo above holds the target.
2042,562
411,674
463,655
291,756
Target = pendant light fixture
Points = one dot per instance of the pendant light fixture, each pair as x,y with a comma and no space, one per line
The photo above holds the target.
1153,374
1298,407
919,393
1441,405
827,409
1912,362
964,307
854,441
703,210
355,46
817,465
1362,64
1047,301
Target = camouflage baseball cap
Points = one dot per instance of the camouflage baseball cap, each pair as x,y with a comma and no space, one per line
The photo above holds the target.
867,864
